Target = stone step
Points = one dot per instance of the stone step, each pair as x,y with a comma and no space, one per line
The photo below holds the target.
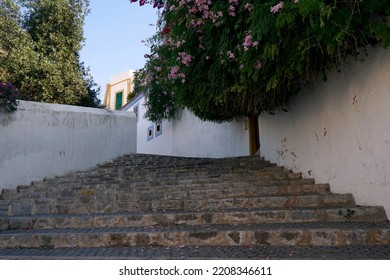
226,187
148,161
226,190
166,177
208,168
259,188
228,216
107,203
261,252
247,202
303,234
178,170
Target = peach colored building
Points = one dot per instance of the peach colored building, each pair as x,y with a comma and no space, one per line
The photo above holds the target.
117,90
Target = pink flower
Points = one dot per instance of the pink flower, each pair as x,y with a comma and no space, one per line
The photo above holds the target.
248,6
185,58
247,42
258,65
277,7
183,77
174,73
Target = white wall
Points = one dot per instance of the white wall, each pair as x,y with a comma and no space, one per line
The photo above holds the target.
339,131
196,138
160,145
188,136
44,140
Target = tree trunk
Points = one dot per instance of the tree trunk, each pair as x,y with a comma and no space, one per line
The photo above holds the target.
254,139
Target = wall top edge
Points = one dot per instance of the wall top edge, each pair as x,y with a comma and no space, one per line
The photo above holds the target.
32,105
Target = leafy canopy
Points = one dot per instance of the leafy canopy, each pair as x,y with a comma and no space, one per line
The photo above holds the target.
39,50
227,58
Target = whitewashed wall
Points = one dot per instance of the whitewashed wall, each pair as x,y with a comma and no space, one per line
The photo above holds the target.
44,140
160,145
188,136
339,131
196,138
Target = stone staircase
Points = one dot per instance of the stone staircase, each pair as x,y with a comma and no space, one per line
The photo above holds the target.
145,201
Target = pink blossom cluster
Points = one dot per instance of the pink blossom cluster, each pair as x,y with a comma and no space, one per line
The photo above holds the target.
248,42
156,4
232,7
174,44
194,7
174,73
230,55
185,58
248,6
277,7
258,65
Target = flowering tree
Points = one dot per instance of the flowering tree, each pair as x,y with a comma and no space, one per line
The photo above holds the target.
228,58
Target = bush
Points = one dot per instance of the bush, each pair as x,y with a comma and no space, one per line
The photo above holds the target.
8,96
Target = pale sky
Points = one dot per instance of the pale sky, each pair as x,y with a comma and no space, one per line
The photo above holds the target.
114,30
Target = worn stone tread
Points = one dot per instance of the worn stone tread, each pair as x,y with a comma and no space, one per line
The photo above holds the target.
193,200
205,252
224,216
322,234
206,227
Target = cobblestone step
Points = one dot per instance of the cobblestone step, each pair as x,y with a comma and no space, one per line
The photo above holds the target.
303,234
109,203
145,161
228,216
77,188
265,252
158,188
246,202
227,190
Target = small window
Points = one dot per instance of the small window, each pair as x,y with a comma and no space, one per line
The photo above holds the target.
158,129
150,133
135,109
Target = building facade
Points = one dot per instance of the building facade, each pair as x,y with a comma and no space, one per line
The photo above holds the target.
117,90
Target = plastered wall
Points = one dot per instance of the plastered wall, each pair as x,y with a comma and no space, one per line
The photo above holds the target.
338,131
45,140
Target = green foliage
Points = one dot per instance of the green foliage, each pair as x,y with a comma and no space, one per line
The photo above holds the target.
223,59
8,97
92,98
41,47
